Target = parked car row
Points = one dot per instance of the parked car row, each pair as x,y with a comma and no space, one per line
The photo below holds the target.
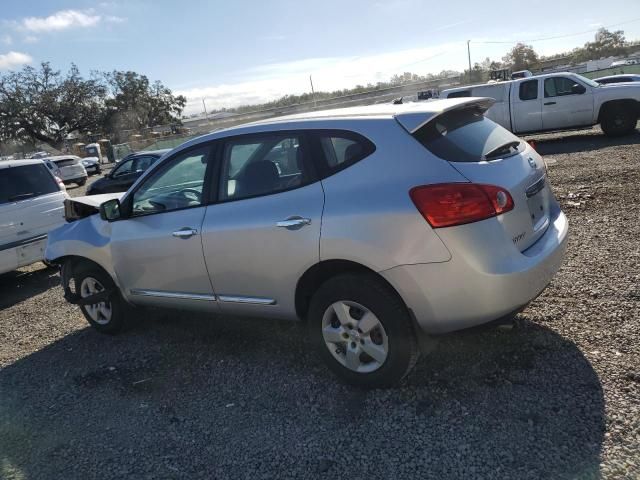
373,224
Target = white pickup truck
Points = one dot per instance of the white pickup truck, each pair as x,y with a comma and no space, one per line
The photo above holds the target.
558,101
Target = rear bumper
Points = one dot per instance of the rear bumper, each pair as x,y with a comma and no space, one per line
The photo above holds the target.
483,281
22,253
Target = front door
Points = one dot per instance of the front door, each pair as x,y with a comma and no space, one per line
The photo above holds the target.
566,104
157,249
264,231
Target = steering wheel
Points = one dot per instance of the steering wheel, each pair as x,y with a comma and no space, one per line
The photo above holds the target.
192,190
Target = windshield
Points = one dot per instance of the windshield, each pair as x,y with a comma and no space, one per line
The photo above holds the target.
467,136
588,81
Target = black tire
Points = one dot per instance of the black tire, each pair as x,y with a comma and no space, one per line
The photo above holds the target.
618,120
81,183
371,292
120,309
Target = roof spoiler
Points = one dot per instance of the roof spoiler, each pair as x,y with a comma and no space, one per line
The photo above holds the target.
414,121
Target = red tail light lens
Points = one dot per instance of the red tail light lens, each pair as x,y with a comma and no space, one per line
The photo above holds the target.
449,204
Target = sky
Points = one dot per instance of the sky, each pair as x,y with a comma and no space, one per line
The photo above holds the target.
238,52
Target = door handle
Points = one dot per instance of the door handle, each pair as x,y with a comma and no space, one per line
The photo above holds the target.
185,232
550,103
294,223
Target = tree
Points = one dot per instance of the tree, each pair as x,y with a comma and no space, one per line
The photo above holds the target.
522,57
43,105
134,103
605,44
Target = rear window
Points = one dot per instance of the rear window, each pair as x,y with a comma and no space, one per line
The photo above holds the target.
341,148
467,136
28,181
463,93
65,162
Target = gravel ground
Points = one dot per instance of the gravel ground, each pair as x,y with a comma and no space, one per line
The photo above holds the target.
556,396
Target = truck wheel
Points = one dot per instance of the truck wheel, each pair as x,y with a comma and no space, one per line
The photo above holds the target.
362,331
108,316
618,120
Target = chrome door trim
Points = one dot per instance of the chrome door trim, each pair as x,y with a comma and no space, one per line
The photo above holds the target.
175,295
253,300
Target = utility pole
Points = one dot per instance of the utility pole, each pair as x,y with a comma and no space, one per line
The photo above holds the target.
469,56
313,93
205,110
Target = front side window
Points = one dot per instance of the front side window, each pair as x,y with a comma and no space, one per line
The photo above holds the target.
529,90
263,164
560,86
141,164
28,181
179,185
123,168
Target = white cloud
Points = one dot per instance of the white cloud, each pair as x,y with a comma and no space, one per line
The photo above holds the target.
114,19
272,81
61,20
14,59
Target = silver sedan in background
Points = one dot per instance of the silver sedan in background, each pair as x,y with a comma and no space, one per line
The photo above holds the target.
373,224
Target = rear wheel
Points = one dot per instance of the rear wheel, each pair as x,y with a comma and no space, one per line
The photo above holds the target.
618,120
362,330
108,315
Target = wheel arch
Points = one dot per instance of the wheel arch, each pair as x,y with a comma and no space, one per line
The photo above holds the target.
320,272
623,102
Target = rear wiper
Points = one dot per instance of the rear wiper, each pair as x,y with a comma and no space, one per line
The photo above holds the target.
22,196
506,148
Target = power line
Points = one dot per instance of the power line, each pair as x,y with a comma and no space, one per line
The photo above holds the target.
557,36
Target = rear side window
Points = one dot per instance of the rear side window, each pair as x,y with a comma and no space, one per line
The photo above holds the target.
341,148
529,90
467,136
28,181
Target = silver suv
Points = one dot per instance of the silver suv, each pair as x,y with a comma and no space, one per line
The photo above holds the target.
373,224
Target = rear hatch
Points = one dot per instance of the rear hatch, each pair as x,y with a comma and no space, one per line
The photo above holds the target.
70,168
31,203
485,153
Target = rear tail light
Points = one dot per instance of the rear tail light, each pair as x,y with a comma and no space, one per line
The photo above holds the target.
61,184
449,204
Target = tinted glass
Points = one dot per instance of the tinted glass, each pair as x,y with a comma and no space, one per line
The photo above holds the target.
20,183
259,165
179,185
529,90
341,149
463,93
140,164
65,162
465,136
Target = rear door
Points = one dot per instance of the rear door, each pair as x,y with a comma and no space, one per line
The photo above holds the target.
526,106
566,104
486,153
264,231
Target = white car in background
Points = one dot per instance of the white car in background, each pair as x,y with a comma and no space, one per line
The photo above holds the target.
71,169
31,204
91,165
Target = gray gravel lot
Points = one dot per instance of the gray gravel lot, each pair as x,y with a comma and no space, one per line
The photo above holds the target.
557,396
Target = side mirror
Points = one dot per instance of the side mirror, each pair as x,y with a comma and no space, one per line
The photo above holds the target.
578,89
110,210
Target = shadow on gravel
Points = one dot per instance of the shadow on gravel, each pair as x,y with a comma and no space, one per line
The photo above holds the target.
19,285
244,398
585,141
